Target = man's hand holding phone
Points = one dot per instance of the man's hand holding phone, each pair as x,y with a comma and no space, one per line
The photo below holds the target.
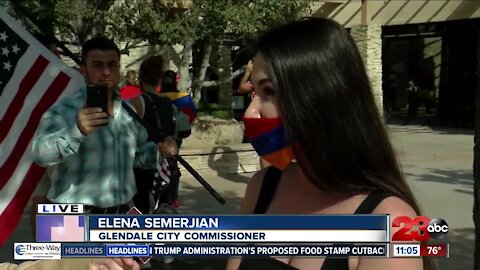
91,119
168,147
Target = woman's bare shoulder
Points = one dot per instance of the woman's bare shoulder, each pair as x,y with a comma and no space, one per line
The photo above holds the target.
252,192
394,206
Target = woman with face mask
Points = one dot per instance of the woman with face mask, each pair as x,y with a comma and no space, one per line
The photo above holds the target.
314,118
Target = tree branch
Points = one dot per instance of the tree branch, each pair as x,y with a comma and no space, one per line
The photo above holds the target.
65,50
198,80
234,75
186,52
185,81
174,55
126,49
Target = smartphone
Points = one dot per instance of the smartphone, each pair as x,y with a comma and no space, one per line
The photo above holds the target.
97,97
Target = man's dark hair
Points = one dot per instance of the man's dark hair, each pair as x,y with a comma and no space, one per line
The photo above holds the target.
99,43
151,70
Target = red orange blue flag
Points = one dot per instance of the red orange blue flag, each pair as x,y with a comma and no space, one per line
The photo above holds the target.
184,103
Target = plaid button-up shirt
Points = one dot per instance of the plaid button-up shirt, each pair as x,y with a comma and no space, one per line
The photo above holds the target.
96,169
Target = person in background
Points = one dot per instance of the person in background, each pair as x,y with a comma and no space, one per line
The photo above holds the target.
412,99
185,116
150,74
162,117
183,101
131,88
391,92
247,87
75,264
158,110
169,82
314,118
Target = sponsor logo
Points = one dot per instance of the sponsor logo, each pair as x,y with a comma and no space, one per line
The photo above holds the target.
37,251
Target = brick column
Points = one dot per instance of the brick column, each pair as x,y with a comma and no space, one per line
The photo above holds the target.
369,42
433,49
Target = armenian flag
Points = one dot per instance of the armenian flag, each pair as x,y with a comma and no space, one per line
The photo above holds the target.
184,103
268,138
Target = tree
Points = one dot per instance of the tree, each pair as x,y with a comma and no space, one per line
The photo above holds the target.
71,21
199,25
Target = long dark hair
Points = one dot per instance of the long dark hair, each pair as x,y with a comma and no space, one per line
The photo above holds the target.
329,111
169,82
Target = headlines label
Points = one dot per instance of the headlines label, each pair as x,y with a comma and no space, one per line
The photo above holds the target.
127,250
84,250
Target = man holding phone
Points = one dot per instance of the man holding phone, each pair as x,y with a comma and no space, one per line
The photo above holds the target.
90,152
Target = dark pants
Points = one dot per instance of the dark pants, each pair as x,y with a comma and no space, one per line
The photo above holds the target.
144,182
412,104
391,99
173,189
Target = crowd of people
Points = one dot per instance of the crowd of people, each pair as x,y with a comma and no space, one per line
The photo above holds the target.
312,107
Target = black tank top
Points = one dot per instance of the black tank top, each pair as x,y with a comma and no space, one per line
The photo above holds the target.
267,191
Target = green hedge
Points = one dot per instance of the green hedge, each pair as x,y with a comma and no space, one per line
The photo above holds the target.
213,110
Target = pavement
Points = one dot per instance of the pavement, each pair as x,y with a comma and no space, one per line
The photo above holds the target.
436,161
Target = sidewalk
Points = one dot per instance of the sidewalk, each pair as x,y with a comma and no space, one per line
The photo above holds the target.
437,163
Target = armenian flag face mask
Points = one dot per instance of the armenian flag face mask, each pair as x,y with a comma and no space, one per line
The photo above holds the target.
268,138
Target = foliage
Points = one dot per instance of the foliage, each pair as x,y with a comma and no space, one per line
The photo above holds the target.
213,110
176,21
74,21
250,17
198,25
220,114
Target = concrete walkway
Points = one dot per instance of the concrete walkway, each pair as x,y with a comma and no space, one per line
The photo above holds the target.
437,163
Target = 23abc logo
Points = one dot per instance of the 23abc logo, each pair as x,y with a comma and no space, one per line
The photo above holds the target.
435,228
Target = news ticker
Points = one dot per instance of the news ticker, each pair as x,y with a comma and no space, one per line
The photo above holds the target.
32,251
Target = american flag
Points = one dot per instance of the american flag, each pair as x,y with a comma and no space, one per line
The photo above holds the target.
31,80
